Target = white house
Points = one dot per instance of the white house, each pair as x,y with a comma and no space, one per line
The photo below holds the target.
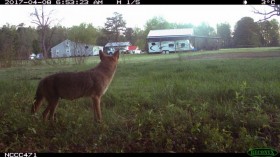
68,48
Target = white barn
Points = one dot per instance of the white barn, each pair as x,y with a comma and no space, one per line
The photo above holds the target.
112,46
173,40
169,40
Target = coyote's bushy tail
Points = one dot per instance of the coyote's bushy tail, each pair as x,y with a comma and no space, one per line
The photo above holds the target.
37,100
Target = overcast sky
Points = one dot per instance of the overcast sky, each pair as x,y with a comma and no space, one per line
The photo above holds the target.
134,15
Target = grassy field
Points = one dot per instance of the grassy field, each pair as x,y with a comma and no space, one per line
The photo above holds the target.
156,103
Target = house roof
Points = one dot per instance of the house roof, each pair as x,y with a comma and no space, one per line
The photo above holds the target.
132,47
77,44
117,44
170,33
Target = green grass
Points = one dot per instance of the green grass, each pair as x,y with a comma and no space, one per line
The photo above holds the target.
156,103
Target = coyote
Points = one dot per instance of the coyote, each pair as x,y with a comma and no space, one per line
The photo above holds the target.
72,85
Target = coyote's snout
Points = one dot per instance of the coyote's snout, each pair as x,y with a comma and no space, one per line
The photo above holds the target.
72,85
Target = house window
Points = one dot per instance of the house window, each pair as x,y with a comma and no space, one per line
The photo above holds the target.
57,51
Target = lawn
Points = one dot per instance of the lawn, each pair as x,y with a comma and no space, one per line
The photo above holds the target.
156,103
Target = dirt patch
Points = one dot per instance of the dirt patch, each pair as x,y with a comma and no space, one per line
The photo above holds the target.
234,55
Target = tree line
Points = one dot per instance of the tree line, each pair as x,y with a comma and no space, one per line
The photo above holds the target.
18,42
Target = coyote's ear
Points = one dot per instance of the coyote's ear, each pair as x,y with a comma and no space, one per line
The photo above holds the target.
101,54
116,54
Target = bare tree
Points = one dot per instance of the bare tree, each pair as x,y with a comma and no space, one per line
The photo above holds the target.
43,21
267,15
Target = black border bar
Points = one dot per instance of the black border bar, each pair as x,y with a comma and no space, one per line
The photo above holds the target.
125,154
138,2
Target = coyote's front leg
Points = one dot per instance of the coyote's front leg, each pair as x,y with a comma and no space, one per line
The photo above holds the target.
97,108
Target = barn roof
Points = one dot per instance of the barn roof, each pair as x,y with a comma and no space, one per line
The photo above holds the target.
170,33
132,47
117,44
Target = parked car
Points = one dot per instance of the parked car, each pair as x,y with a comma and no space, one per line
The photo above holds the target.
36,56
32,56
